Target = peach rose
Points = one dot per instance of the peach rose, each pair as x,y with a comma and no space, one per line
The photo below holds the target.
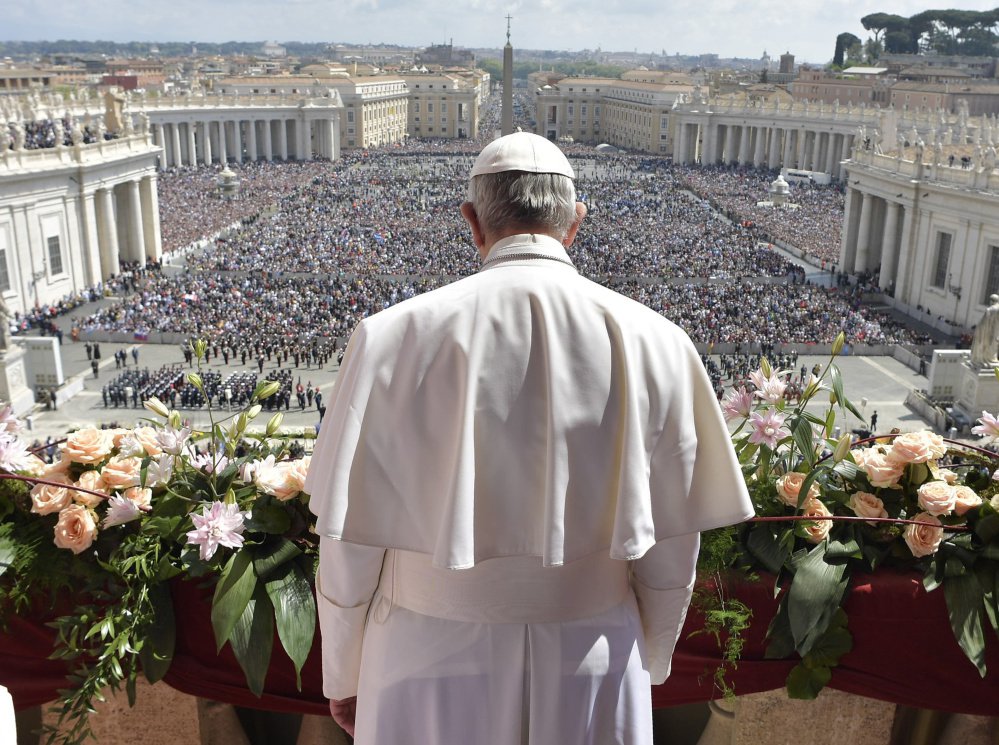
818,531
276,479
865,504
56,468
89,480
297,471
76,528
965,499
46,499
88,446
947,475
789,487
917,447
924,539
121,473
147,438
881,471
140,496
35,466
937,497
116,434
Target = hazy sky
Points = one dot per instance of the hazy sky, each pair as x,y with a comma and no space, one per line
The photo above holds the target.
731,28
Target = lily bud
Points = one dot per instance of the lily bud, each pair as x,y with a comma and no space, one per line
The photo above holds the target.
838,343
174,419
241,421
157,407
274,423
200,345
230,497
266,388
765,367
832,397
842,448
253,411
195,380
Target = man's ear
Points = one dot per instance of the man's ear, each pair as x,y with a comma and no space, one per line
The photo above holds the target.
478,236
570,236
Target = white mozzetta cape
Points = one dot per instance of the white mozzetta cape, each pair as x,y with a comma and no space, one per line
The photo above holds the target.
522,411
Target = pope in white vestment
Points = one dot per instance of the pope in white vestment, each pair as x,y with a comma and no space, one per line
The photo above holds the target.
510,482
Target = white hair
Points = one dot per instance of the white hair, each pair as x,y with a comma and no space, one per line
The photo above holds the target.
546,201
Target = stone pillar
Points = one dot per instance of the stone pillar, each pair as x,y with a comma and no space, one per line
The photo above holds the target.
282,126
680,144
151,238
223,145
761,138
831,152
903,281
268,149
744,145
800,154
305,152
787,159
864,234
848,242
332,137
237,141
774,149
161,141
136,234
91,240
178,156
192,145
206,143
889,245
108,233
251,139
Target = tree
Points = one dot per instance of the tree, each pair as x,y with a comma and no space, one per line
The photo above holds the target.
883,24
844,42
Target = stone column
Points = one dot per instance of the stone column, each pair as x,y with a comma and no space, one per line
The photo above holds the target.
864,234
888,245
903,282
831,152
333,137
108,233
136,234
268,149
761,138
161,141
251,139
152,239
223,145
774,151
305,125
206,143
680,144
237,141
744,145
283,138
192,145
178,156
787,159
91,239
848,243
800,155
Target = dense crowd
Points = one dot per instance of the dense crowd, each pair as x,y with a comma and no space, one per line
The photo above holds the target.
46,133
322,245
813,227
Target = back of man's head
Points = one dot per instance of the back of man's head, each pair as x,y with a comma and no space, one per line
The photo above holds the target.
523,181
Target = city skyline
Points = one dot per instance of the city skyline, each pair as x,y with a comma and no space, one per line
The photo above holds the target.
729,28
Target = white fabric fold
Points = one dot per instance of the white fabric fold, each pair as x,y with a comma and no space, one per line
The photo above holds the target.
522,411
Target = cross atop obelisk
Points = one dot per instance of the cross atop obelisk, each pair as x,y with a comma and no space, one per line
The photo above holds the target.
506,120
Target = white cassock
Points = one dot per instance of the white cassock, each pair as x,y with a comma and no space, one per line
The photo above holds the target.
559,444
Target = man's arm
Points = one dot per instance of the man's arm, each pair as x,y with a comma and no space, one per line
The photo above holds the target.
663,580
346,582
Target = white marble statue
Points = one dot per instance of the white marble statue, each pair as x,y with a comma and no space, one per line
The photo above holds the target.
983,343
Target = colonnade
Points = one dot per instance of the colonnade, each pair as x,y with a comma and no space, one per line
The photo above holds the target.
874,229
191,142
771,144
121,223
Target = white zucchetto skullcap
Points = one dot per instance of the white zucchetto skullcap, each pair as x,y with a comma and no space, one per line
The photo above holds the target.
522,151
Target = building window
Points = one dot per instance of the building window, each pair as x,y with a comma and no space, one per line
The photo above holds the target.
430,108
55,255
943,259
416,107
443,106
350,116
991,279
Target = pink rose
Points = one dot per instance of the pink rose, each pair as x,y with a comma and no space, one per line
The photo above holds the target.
46,499
937,497
121,473
140,496
947,475
865,504
881,471
76,528
88,446
789,488
965,499
90,480
818,531
924,539
297,471
917,447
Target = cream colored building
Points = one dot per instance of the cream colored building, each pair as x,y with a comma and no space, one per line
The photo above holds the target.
629,114
375,108
442,105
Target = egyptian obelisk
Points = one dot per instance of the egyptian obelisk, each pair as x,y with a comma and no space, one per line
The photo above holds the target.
507,118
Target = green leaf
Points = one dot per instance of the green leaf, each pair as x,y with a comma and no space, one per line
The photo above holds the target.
295,613
272,555
987,528
765,547
802,434
837,384
252,639
847,469
806,486
832,645
8,550
232,594
805,683
988,578
815,595
156,653
964,601
268,518
846,548
781,643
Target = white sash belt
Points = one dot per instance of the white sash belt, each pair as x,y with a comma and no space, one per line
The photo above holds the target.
516,589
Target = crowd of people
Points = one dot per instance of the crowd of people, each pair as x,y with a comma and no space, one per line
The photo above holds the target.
322,245
46,133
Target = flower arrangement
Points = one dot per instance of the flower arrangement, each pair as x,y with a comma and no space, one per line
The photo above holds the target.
122,512
828,506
